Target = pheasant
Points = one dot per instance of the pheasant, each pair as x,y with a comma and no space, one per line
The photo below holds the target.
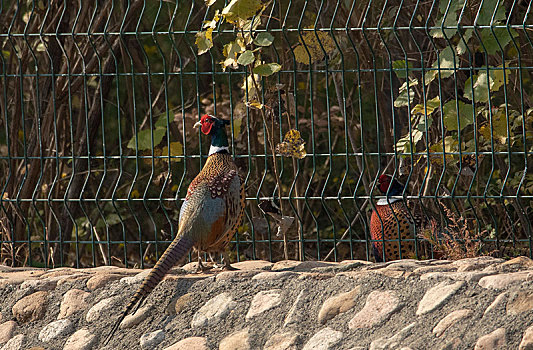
392,219
210,215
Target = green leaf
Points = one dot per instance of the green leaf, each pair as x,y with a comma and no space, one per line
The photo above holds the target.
487,10
233,48
446,64
404,144
400,68
422,124
241,9
267,69
490,40
482,83
446,61
455,5
401,100
246,58
461,46
264,39
451,18
161,122
450,114
145,137
110,219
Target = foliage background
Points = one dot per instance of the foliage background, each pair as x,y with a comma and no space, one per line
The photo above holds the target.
99,98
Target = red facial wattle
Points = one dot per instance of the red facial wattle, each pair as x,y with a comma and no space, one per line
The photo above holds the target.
384,183
207,124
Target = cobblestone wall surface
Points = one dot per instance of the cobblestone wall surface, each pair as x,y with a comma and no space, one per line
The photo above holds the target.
480,303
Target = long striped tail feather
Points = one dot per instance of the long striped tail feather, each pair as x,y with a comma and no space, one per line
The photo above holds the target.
179,247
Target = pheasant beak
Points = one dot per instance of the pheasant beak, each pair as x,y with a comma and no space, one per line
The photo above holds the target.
197,125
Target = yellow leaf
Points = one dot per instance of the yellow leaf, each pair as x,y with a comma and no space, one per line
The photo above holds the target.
209,34
237,126
248,84
204,40
292,145
431,105
313,44
135,194
254,104
150,50
499,127
176,149
174,188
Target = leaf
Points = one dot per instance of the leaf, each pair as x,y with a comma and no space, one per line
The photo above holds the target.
176,149
292,145
161,122
145,139
209,2
255,104
267,69
249,87
246,58
461,46
400,68
450,114
264,39
446,64
401,100
237,127
233,48
315,46
453,8
482,83
499,127
40,47
486,12
204,40
450,145
455,5
110,219
431,105
404,144
241,10
490,40
212,23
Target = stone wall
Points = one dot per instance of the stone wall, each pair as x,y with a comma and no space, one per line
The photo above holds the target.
481,303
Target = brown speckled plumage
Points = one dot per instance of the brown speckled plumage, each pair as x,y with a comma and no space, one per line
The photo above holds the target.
210,215
395,219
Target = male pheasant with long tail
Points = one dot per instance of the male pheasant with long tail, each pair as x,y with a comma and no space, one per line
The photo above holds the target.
392,226
210,215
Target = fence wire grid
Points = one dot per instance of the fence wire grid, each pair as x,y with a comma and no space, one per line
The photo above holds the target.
98,100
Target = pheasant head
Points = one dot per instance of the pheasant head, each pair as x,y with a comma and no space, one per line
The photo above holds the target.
216,128
386,183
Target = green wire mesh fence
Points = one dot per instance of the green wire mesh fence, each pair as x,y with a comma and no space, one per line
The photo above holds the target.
98,99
